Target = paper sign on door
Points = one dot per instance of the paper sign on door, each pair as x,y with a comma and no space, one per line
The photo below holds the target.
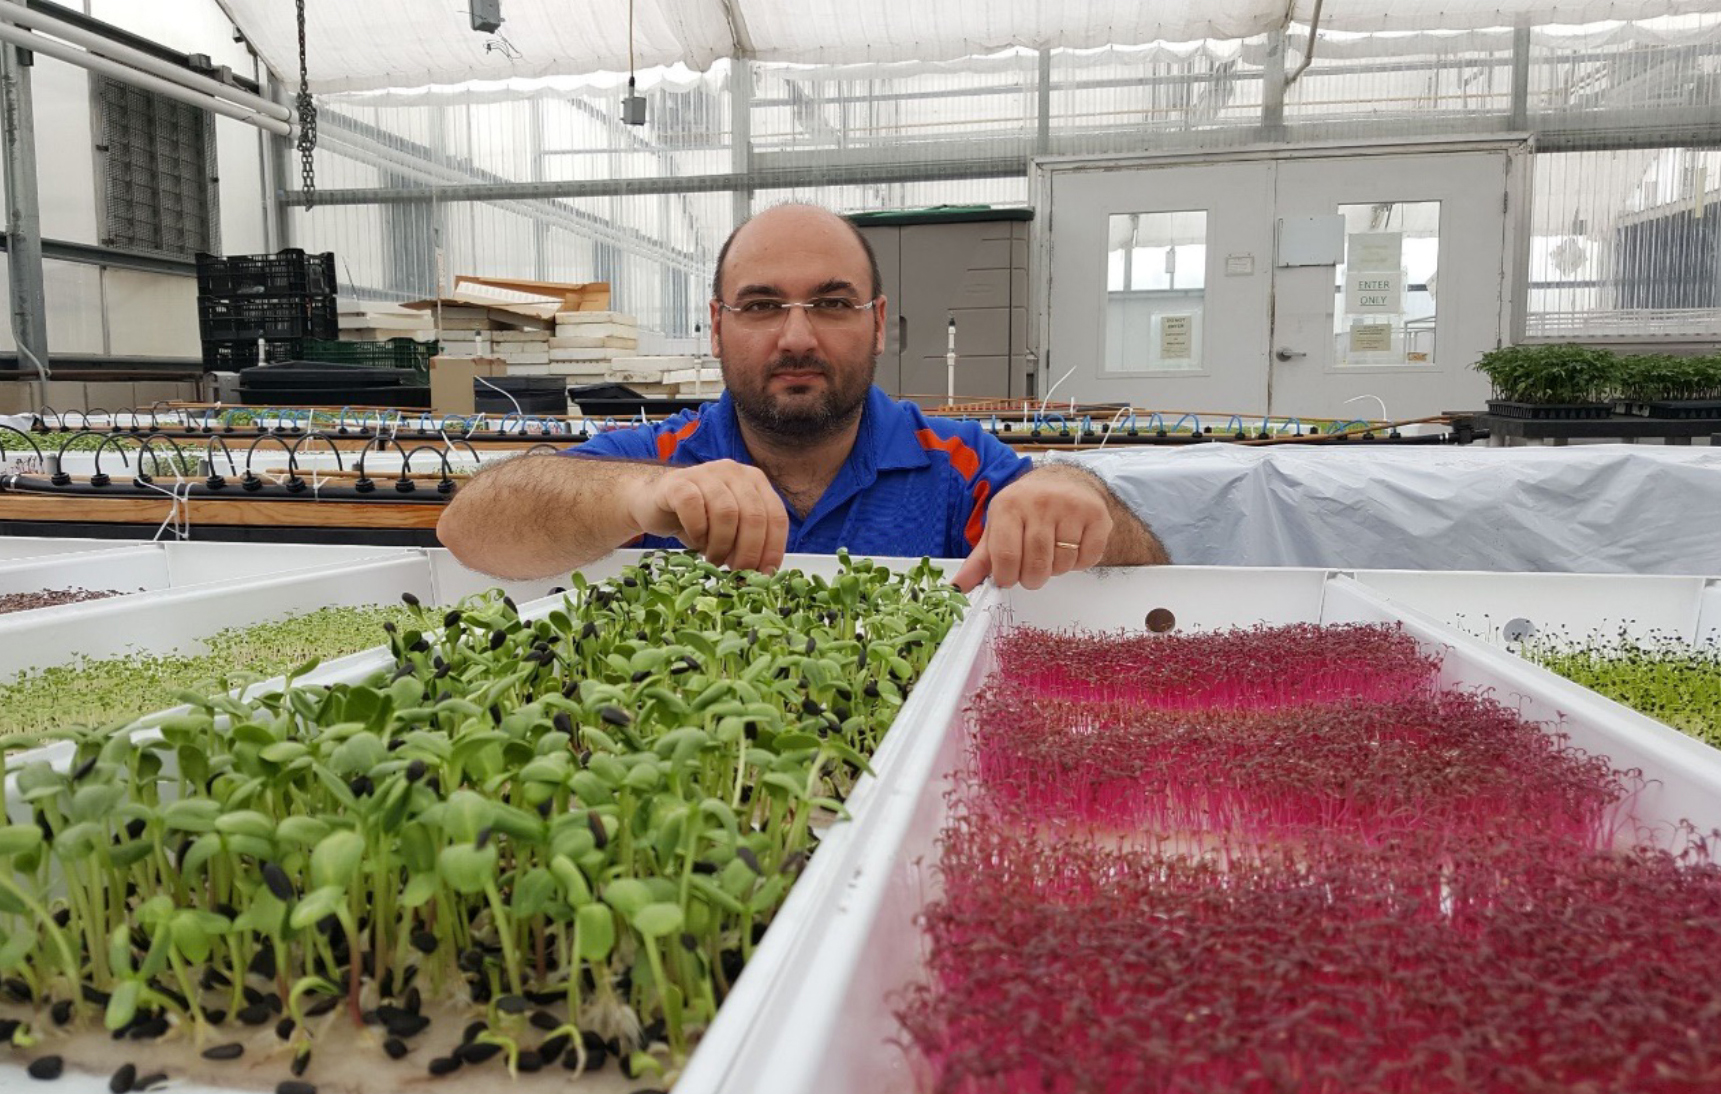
1176,337
1371,338
1374,292
1375,251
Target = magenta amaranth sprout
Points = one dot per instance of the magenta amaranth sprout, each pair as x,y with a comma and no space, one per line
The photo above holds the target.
1394,888
1490,966
1447,761
1245,669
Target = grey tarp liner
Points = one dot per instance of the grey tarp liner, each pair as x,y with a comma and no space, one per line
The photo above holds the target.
1584,509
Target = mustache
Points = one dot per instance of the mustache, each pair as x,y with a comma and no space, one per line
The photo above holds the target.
803,363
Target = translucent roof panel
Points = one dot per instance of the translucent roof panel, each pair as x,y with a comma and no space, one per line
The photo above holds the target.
416,43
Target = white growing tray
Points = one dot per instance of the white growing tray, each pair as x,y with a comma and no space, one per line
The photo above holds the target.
772,970
830,1028
197,589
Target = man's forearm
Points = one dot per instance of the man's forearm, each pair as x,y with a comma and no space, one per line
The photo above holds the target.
537,516
1132,542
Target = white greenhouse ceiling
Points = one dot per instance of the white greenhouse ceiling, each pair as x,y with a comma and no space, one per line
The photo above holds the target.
361,45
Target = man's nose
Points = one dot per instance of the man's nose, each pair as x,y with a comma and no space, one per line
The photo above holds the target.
797,334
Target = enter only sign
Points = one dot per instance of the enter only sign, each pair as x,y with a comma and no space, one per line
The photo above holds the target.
1374,292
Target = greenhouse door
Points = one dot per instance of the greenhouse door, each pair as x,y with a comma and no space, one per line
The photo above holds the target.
1293,282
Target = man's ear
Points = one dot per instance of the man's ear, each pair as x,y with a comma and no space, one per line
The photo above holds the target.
716,335
878,320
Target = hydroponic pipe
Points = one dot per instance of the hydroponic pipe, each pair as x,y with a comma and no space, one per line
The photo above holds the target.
23,39
136,58
32,484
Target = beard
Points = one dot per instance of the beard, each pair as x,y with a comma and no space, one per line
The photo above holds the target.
802,416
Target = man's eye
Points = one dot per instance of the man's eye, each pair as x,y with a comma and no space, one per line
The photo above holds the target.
833,303
761,307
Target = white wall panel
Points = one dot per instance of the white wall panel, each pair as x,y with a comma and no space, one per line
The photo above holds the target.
65,151
151,315
240,167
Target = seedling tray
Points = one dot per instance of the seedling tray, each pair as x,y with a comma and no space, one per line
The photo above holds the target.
1682,409
1551,411
835,1030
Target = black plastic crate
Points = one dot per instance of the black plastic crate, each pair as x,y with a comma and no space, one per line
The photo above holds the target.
620,401
292,374
292,272
1551,411
226,319
391,353
233,356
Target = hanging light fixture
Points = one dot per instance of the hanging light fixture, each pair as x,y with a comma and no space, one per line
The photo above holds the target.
633,103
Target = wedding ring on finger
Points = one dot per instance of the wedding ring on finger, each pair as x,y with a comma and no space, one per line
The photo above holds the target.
1067,546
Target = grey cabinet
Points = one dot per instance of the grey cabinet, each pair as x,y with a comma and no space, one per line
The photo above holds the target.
968,265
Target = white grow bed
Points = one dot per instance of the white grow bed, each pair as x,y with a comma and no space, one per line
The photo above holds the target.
830,1029
772,972
197,589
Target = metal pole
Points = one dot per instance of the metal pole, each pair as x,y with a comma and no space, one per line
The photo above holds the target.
23,214
1043,103
741,136
1520,120
1273,88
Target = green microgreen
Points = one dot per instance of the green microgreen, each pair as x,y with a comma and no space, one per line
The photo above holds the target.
94,692
598,810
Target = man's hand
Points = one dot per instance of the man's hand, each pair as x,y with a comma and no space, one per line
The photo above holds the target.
726,511
1046,523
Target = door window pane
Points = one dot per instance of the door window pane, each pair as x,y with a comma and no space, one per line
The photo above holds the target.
1386,288
1156,279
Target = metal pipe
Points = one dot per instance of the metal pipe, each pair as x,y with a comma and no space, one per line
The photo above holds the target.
29,307
13,12
1308,50
95,63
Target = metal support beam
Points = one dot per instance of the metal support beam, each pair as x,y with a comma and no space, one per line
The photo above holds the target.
1043,104
1520,77
75,17
741,135
113,258
834,175
23,211
1273,88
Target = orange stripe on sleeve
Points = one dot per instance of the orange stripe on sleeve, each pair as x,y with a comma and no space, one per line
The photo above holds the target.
964,459
976,525
667,443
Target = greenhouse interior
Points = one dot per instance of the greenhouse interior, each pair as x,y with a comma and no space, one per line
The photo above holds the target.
730,547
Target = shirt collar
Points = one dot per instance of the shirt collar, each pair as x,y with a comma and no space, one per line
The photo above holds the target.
886,440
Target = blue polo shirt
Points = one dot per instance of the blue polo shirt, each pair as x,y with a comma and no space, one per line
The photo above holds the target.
912,486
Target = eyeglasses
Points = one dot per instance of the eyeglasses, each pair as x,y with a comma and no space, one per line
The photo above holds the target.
824,311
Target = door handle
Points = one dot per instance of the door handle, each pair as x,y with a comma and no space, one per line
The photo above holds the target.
1285,353
901,334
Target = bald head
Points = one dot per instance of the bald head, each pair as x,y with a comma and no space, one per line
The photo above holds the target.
796,225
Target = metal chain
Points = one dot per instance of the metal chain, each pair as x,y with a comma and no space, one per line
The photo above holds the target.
307,119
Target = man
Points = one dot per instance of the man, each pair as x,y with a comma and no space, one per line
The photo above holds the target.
802,452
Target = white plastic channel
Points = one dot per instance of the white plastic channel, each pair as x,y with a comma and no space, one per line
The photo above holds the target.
179,619
20,547
1579,607
834,1032
141,566
119,568
1709,614
795,930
